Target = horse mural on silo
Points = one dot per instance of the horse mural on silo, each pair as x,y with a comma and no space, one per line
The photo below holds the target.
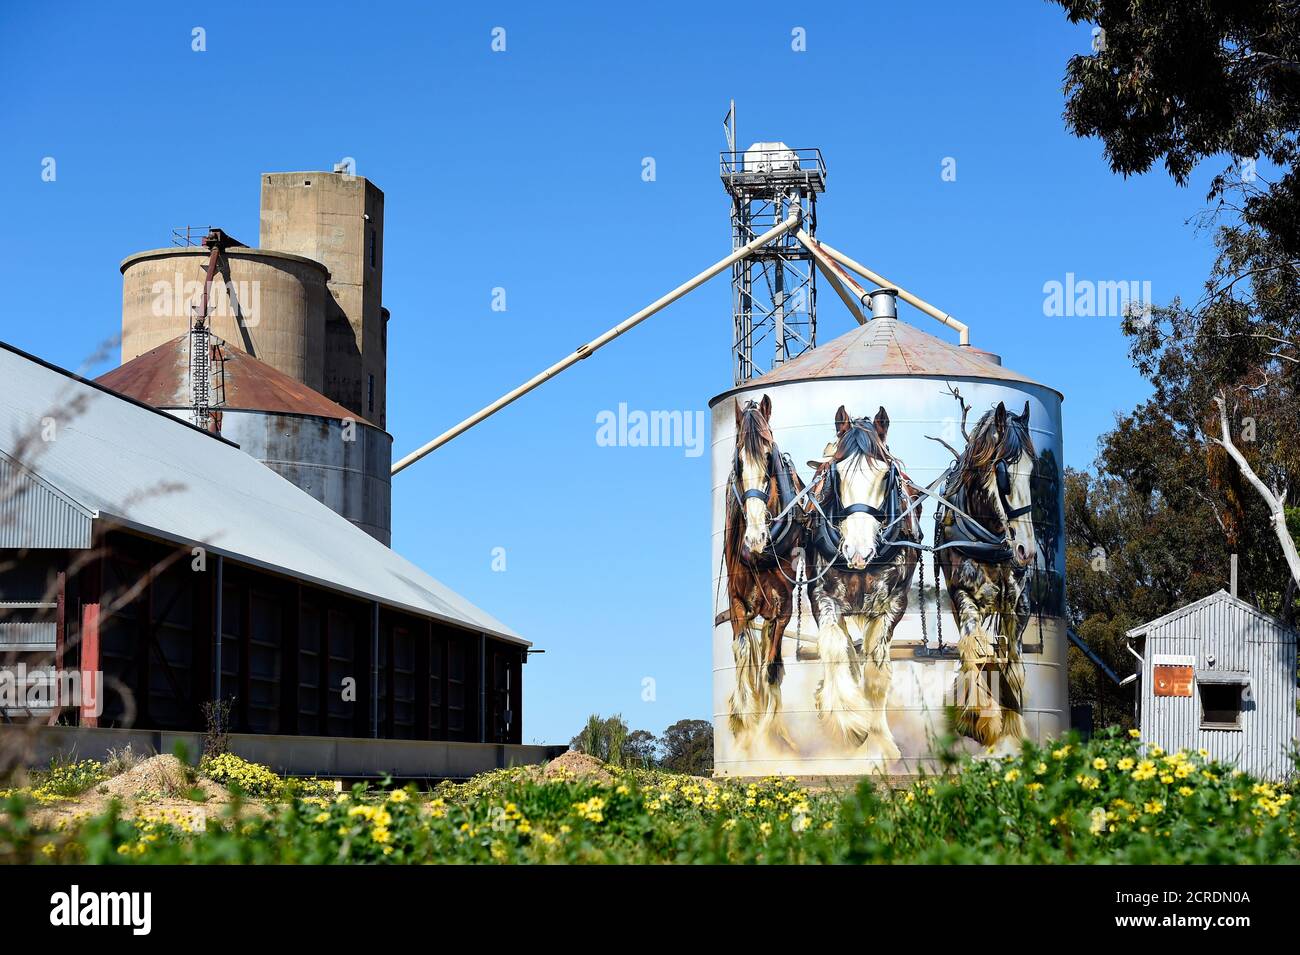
985,545
762,553
864,536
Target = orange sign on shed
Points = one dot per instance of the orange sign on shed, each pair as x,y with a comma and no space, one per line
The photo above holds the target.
1173,680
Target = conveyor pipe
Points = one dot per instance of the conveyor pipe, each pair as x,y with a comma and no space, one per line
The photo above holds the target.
790,223
962,330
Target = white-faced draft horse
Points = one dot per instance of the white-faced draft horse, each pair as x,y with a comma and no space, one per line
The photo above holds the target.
984,542
864,538
761,549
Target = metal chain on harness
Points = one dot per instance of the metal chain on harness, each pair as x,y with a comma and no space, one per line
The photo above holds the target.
920,598
938,607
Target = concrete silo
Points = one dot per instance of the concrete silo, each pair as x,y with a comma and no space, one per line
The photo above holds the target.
267,303
921,381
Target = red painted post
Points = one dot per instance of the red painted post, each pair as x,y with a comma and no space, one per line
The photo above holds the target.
91,587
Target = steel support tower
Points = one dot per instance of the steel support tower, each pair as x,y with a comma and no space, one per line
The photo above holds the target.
774,290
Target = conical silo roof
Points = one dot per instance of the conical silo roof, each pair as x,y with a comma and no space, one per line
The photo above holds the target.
161,378
890,348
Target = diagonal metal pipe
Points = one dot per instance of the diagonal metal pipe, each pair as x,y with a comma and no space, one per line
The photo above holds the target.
839,280
790,223
963,331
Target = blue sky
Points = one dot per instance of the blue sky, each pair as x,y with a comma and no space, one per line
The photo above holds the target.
522,170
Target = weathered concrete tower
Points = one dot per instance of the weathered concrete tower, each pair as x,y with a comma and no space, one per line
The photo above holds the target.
338,220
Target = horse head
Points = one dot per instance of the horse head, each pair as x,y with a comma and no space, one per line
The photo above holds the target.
999,460
753,475
859,480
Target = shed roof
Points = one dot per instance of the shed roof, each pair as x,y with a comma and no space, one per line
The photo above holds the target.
889,348
1196,606
131,466
161,378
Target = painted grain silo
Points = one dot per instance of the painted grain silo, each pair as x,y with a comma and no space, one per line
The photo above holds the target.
893,503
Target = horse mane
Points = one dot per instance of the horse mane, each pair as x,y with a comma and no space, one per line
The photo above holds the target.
986,448
861,437
755,435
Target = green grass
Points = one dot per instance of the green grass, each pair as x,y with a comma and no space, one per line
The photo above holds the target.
1109,800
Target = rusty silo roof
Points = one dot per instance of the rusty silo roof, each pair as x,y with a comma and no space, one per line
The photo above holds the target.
889,348
161,378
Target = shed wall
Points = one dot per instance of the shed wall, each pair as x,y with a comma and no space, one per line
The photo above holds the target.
1238,640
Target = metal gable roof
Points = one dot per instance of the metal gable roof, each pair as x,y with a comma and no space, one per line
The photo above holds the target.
1219,596
130,465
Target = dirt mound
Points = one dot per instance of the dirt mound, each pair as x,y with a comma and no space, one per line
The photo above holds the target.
159,776
159,788
575,765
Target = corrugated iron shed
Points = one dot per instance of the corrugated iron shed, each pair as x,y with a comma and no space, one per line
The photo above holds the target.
131,466
161,379
1221,639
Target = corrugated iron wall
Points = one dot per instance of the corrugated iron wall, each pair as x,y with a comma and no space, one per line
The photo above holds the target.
34,515
1238,639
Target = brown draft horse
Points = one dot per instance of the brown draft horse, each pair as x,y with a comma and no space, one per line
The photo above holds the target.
985,545
866,545
762,555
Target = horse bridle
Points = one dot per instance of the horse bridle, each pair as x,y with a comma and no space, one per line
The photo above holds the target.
1002,474
779,468
889,537
969,537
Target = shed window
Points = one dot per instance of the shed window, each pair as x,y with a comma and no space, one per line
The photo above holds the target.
1221,705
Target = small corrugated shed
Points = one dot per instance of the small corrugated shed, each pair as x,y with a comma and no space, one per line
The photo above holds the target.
120,463
1220,675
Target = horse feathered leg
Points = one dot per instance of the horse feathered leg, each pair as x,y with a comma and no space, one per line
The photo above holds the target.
1013,670
839,698
978,714
744,650
776,727
877,671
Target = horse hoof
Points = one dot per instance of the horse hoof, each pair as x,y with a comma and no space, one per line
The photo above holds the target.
774,672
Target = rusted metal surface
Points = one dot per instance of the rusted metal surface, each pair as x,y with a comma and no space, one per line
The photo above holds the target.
1173,680
888,347
161,378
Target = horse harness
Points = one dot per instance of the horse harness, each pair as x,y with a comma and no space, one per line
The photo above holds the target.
967,536
781,533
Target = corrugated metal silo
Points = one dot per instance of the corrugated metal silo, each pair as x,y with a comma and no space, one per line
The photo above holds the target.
885,363
334,455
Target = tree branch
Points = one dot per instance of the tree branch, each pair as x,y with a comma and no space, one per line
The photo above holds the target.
1276,510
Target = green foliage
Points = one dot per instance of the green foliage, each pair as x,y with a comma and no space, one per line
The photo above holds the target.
687,747
605,738
67,778
1179,82
251,779
1111,800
